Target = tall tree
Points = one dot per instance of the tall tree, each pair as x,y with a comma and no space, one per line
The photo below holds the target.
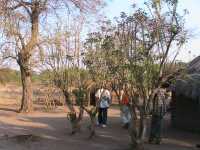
148,42
20,23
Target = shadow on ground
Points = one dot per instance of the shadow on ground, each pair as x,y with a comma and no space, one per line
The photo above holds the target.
51,131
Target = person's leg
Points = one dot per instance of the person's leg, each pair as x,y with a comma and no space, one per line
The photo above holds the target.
126,113
100,116
153,129
104,117
159,128
128,116
155,133
125,116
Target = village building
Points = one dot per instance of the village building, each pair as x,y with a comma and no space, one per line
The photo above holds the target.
186,99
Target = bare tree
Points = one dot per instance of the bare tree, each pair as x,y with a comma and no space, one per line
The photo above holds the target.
20,23
62,61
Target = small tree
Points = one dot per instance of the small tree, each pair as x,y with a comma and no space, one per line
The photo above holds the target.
60,62
148,38
145,41
63,59
103,60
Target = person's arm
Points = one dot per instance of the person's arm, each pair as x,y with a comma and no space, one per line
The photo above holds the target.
97,94
97,97
109,97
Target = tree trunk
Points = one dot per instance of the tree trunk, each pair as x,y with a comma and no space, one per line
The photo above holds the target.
24,57
137,128
135,134
92,125
27,94
92,114
72,116
76,120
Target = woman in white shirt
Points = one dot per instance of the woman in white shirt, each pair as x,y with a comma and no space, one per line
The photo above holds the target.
103,103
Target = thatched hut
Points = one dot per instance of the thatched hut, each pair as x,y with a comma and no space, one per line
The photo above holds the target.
186,100
194,66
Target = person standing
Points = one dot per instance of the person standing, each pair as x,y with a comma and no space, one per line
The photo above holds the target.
103,103
125,109
159,110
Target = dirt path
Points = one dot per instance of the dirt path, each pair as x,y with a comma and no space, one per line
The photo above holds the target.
52,130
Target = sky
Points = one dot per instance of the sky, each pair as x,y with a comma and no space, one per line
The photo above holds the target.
189,50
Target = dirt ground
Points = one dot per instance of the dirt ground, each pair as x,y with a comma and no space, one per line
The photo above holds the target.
51,131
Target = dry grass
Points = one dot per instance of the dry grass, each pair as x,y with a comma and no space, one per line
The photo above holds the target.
44,97
10,94
50,131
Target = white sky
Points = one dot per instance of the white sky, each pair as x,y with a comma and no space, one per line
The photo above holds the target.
114,7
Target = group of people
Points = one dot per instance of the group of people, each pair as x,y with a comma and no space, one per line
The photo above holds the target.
102,99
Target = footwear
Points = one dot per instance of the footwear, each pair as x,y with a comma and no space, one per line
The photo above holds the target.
104,126
150,141
158,141
125,126
98,124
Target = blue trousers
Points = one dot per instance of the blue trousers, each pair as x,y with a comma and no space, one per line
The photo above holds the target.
102,115
156,125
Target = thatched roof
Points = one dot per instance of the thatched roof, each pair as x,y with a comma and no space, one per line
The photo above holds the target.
194,65
189,87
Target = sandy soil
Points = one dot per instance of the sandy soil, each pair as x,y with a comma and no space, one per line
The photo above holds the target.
51,130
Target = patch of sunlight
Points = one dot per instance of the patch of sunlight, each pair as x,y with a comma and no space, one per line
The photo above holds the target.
109,136
178,142
15,122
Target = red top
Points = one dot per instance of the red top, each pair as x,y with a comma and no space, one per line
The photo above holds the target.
125,99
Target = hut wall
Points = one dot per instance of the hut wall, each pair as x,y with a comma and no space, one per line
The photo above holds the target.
186,114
